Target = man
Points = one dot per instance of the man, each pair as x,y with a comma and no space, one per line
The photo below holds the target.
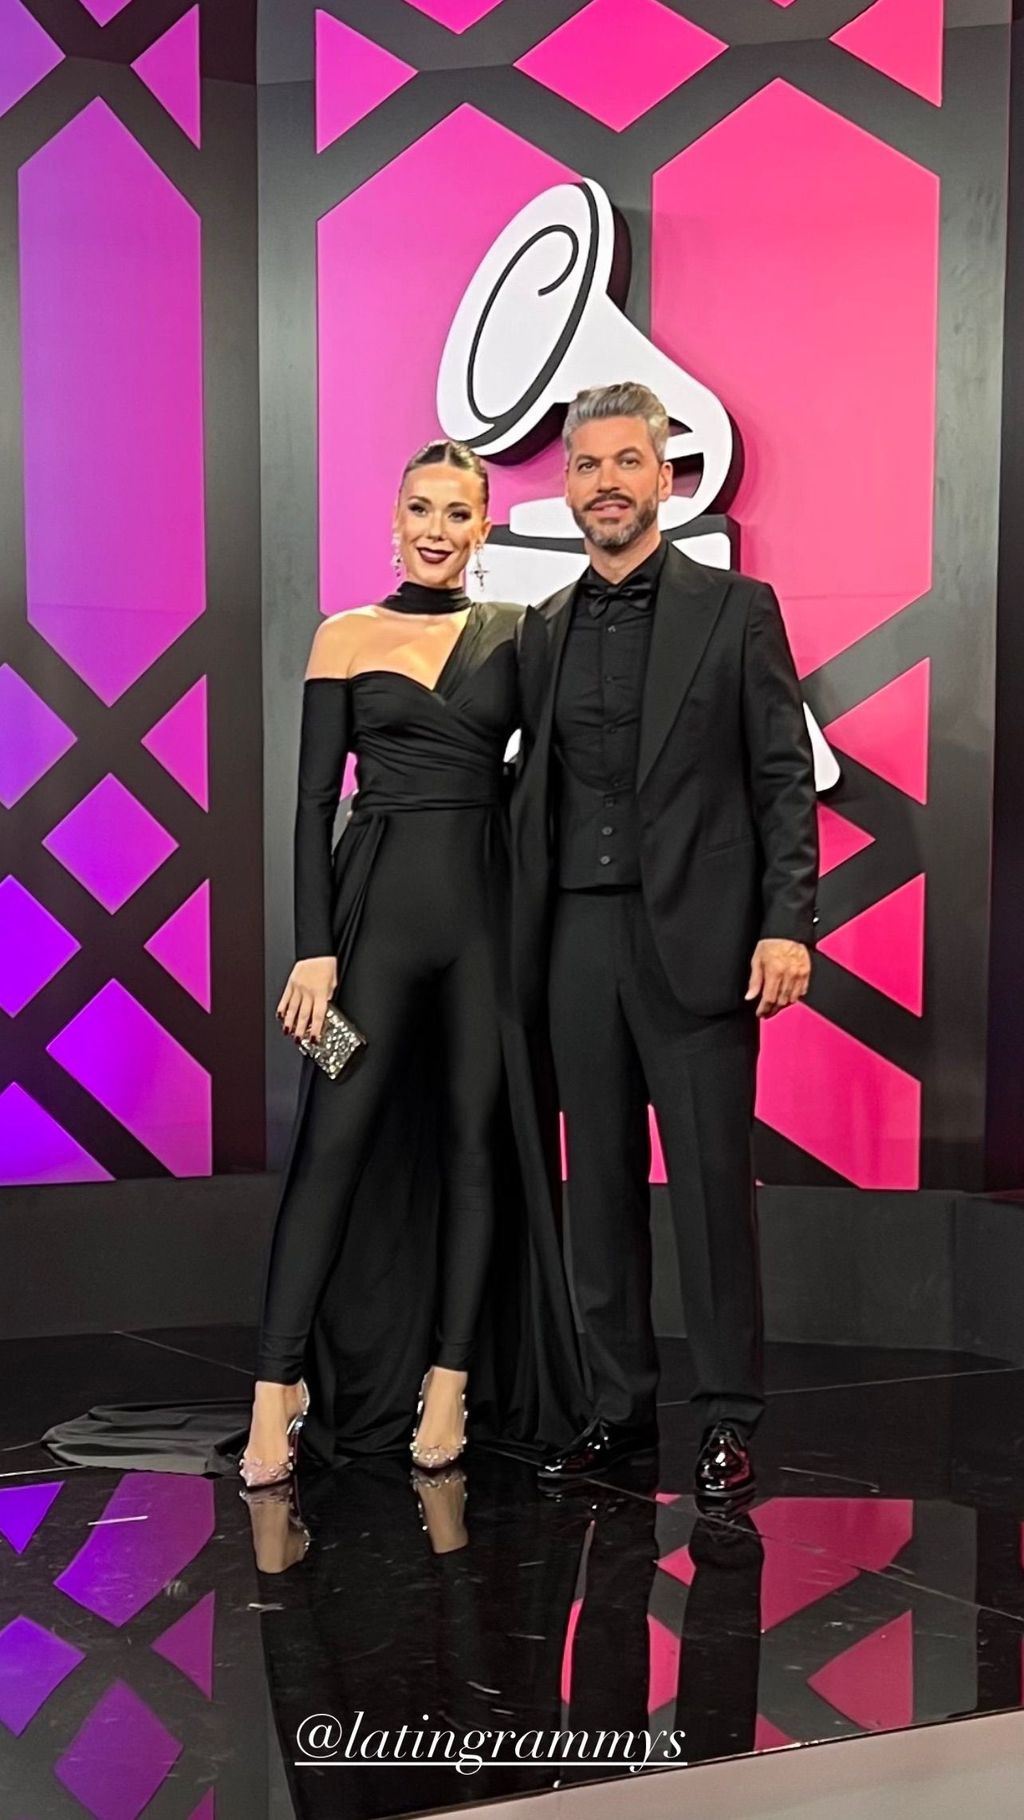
665,841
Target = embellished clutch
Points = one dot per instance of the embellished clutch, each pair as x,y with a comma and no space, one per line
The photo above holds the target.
337,1045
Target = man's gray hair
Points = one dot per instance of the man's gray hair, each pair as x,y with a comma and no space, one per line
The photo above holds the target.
627,399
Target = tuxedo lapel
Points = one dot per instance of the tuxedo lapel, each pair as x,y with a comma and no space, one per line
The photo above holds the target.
557,620
688,603
539,682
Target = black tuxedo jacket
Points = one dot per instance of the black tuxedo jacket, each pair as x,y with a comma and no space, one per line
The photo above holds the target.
725,787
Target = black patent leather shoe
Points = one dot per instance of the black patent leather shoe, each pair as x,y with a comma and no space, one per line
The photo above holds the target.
724,1475
600,1446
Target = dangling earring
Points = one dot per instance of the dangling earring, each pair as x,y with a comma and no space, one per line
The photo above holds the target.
396,555
478,567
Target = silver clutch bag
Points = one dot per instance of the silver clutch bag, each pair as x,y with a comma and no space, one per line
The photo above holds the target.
337,1045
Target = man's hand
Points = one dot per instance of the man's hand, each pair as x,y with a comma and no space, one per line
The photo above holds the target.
780,974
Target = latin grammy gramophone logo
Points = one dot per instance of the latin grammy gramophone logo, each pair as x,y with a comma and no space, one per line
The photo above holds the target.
540,319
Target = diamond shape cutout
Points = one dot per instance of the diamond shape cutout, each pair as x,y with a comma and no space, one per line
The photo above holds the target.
34,946
617,58
32,737
110,843
119,1758
32,1663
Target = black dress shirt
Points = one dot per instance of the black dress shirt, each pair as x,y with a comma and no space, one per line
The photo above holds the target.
597,728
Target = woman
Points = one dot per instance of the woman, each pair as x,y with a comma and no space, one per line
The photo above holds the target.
376,1275
416,1254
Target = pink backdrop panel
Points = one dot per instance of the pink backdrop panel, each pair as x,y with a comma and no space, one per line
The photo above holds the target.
795,271
380,341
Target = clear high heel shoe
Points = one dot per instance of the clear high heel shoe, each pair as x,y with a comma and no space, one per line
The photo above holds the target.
432,1459
261,1472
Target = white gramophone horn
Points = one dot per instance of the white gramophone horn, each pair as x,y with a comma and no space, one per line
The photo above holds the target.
536,325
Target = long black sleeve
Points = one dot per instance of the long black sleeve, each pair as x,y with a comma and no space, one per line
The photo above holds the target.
782,774
323,745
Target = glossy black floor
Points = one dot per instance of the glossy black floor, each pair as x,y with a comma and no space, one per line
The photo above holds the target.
161,1642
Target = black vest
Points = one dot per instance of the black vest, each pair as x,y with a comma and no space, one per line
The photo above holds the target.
597,729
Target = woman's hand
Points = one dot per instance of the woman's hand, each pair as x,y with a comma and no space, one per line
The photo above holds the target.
304,1001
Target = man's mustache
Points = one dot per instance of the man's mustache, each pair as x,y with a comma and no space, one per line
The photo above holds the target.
608,499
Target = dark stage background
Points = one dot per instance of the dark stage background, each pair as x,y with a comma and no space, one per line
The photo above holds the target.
228,268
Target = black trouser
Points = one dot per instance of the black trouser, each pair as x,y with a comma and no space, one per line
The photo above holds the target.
621,1041
423,958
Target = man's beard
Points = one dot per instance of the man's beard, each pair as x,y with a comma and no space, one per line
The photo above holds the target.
620,536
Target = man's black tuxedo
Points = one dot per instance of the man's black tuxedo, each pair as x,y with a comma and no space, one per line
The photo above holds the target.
725,784
642,987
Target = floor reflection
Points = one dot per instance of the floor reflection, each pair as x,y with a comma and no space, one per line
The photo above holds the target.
162,1638
127,1673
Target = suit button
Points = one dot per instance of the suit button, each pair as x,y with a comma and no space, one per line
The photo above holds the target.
608,830
606,859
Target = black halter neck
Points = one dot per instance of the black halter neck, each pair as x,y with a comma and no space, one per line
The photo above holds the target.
415,597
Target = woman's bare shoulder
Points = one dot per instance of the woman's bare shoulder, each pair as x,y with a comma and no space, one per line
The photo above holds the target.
335,642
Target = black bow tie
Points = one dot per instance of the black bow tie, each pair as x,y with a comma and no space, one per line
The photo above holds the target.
597,593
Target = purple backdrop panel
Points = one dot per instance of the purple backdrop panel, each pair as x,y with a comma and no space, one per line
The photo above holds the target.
118,1051
112,386
170,69
22,1509
154,1524
29,53
120,1757
179,742
34,946
110,843
33,1662
104,10
182,945
188,1643
34,1148
32,737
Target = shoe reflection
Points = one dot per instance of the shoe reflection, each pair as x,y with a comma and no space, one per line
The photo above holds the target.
648,1649
280,1538
720,1658
441,1497
402,1610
